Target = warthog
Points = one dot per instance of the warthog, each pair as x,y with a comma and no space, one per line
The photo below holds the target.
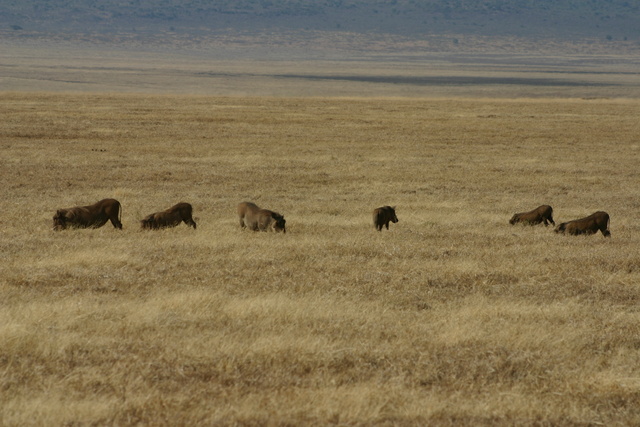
382,216
92,216
257,219
588,225
170,217
540,214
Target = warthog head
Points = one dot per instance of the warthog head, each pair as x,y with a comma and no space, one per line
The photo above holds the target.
147,223
561,228
60,220
394,218
279,223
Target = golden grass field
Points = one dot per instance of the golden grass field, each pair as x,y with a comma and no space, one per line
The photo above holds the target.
452,317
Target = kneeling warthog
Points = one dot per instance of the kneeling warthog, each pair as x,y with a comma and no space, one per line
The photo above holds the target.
540,214
92,216
589,225
257,219
170,217
382,216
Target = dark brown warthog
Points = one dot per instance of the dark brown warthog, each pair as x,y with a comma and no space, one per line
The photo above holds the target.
170,217
540,214
382,216
256,219
92,216
589,225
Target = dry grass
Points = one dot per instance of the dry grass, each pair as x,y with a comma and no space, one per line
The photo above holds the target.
325,69
453,317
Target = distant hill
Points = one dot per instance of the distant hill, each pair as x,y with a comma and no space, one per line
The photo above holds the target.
564,20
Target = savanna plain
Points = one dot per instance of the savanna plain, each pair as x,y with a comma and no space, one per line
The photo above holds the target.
450,317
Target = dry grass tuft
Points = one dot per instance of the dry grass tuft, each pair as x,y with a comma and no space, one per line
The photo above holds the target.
452,317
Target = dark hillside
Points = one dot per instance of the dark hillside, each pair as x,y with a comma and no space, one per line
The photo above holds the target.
612,20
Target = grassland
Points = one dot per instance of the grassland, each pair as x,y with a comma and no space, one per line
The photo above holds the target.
452,317
325,65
